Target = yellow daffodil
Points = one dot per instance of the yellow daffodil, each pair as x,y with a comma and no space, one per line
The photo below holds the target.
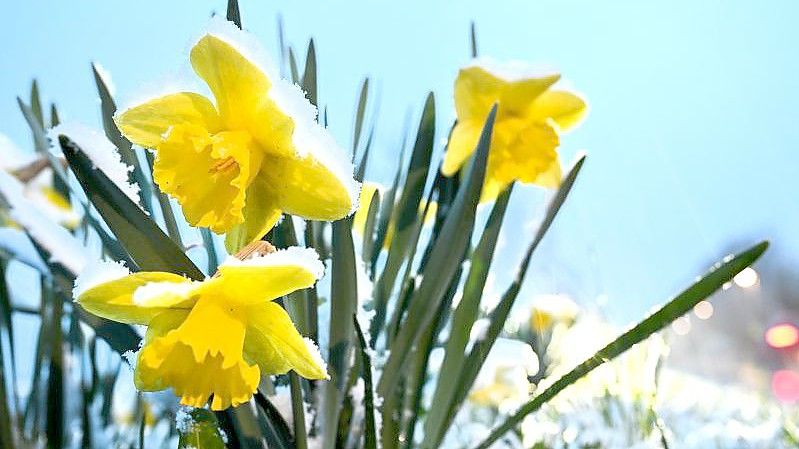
237,163
213,338
503,378
368,191
531,115
550,310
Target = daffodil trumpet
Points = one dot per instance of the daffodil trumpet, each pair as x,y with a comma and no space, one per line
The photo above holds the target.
237,163
211,339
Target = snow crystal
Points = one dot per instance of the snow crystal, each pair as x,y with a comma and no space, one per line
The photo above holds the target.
61,245
96,273
101,152
512,70
184,422
155,290
295,255
315,355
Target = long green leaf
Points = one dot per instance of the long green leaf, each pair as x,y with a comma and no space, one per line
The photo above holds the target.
476,358
309,84
233,13
370,436
278,434
54,426
359,114
149,247
462,321
343,303
445,260
719,275
406,212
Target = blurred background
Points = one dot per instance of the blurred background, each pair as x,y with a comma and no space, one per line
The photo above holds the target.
691,137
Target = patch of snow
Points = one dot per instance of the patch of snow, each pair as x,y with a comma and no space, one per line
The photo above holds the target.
512,70
307,258
101,152
96,273
153,291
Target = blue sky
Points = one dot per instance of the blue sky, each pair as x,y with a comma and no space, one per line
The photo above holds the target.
691,135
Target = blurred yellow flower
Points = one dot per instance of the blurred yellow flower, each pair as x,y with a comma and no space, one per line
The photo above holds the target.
531,115
368,191
550,310
236,165
215,337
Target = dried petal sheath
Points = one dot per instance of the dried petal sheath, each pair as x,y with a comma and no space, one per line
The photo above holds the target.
215,338
237,163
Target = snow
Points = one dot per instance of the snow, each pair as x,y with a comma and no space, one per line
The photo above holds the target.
57,241
316,355
295,255
155,290
101,152
512,71
96,273
184,422
11,156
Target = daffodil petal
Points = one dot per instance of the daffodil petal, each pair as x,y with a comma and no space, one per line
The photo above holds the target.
202,358
310,189
462,144
264,278
159,326
565,108
146,124
114,300
261,213
368,191
274,344
238,85
476,91
209,175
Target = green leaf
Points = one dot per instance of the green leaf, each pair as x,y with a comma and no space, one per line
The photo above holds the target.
298,411
368,245
445,260
370,436
343,303
40,142
233,13
6,424
201,431
473,39
309,75
54,426
36,104
278,434
141,237
406,213
719,275
476,358
463,319
295,73
359,114
107,110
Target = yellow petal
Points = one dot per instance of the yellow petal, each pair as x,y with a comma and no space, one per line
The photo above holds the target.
275,345
209,175
239,86
476,91
518,97
264,278
159,326
114,300
462,144
260,215
368,191
310,189
567,109
146,123
202,357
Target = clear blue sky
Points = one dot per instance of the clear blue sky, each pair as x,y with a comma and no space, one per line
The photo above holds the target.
691,137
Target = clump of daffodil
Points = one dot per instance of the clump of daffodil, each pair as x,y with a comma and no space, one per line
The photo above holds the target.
368,191
532,113
214,338
237,163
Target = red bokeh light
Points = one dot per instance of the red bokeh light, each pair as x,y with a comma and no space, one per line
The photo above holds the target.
785,385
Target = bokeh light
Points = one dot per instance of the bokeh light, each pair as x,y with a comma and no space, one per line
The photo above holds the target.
782,336
703,310
785,385
747,278
681,325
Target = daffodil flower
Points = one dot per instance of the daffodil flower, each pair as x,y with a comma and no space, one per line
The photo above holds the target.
531,115
237,163
214,338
